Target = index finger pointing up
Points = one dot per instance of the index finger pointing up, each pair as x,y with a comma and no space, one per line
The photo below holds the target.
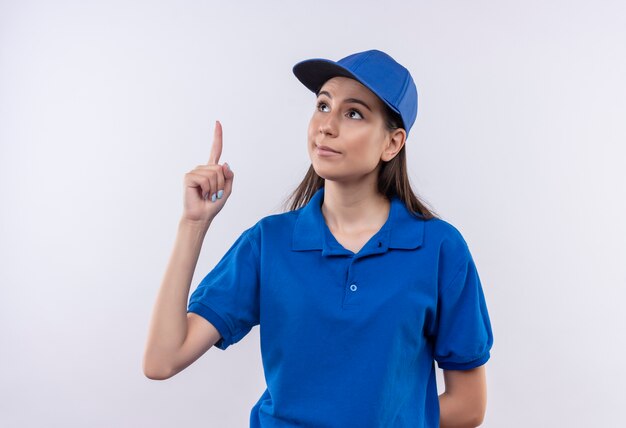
216,149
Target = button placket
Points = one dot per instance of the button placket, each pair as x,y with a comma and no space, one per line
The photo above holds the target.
351,288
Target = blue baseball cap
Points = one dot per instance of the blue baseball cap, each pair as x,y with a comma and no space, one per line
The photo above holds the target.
376,70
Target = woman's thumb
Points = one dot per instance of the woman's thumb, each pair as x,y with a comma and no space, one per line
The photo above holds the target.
228,177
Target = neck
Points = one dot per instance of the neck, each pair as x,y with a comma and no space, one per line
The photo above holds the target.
350,208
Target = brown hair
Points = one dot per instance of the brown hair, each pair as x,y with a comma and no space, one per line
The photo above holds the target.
393,179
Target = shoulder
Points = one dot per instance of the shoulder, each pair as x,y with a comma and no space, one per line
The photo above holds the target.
451,253
272,226
446,238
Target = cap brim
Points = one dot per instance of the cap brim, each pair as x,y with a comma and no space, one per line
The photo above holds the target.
314,72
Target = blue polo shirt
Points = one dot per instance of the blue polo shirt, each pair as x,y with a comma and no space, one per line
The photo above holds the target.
349,340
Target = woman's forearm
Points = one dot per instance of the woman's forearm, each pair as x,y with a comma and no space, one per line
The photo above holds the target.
454,412
168,326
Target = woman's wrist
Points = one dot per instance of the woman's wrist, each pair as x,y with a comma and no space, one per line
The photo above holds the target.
196,226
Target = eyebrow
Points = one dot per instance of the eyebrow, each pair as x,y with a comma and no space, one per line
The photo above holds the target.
347,100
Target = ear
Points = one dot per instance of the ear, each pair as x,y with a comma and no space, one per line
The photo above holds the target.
397,138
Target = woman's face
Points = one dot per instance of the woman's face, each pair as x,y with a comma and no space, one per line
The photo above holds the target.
349,120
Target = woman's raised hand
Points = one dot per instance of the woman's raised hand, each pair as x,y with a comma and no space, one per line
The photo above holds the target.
207,187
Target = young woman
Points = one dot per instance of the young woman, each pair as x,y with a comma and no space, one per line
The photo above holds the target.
358,289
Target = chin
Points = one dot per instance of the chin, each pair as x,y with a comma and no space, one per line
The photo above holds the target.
323,172
329,175
341,173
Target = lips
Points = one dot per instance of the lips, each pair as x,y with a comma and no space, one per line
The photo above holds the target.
326,148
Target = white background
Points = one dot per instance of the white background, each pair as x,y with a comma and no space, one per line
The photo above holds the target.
104,106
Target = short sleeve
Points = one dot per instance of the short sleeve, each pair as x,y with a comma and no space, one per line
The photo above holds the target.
463,337
228,296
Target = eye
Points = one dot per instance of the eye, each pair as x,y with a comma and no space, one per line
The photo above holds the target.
321,105
359,115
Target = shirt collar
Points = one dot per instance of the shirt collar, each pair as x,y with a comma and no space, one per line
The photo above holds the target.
402,229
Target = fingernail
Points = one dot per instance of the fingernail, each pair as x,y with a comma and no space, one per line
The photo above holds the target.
205,196
226,165
213,198
219,194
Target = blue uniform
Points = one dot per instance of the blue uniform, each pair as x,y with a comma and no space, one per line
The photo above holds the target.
349,340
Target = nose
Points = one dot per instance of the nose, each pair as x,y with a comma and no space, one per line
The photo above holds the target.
328,126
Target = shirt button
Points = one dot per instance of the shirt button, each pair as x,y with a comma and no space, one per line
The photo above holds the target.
353,287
